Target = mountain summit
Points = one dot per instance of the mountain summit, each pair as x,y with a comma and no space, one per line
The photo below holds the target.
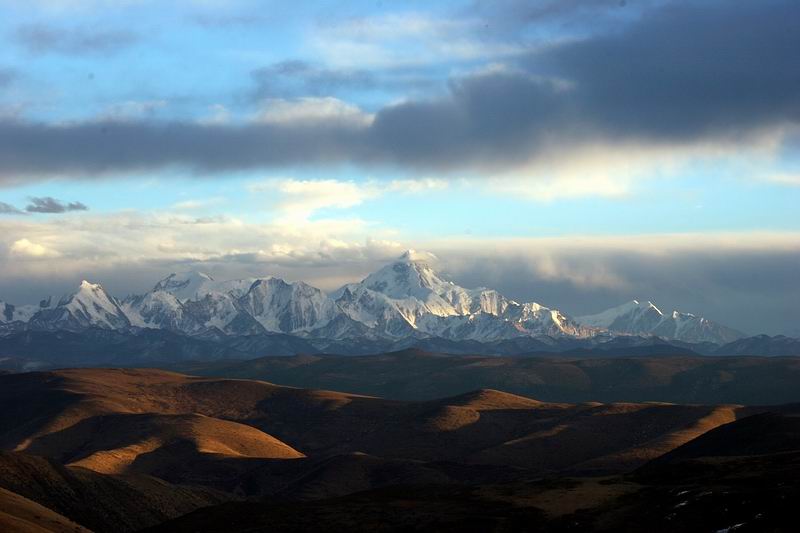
409,296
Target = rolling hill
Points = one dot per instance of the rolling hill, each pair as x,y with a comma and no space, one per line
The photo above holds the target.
420,375
143,421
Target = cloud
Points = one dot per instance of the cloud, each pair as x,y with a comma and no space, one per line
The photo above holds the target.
298,200
679,76
686,70
199,203
47,204
127,248
744,280
312,111
301,198
26,248
403,40
41,39
571,16
8,209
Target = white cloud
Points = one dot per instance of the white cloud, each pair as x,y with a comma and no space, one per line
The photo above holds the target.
101,246
298,200
406,39
312,109
26,248
415,186
198,203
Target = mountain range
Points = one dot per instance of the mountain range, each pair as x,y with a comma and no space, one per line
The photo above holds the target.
405,299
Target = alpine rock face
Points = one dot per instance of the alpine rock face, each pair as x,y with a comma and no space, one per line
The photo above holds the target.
405,300
635,318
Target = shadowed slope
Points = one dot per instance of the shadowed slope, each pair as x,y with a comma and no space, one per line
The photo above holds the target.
100,502
418,375
144,443
21,515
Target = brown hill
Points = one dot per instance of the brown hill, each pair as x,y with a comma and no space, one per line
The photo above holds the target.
739,477
334,461
99,502
21,515
760,434
144,443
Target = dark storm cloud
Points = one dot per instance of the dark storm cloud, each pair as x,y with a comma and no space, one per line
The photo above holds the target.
685,72
40,39
688,70
47,204
105,147
295,77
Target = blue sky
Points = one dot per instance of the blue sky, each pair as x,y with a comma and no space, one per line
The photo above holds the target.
316,140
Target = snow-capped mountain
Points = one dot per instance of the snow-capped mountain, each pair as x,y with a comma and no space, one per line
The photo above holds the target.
408,296
89,306
405,300
644,318
194,302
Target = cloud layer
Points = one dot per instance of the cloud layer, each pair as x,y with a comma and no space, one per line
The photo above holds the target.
685,73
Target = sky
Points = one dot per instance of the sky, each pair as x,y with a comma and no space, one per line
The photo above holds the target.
575,153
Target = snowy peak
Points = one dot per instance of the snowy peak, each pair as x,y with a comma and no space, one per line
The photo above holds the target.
89,306
409,297
635,318
403,279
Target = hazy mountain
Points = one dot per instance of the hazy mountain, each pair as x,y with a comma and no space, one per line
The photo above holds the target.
762,345
644,318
